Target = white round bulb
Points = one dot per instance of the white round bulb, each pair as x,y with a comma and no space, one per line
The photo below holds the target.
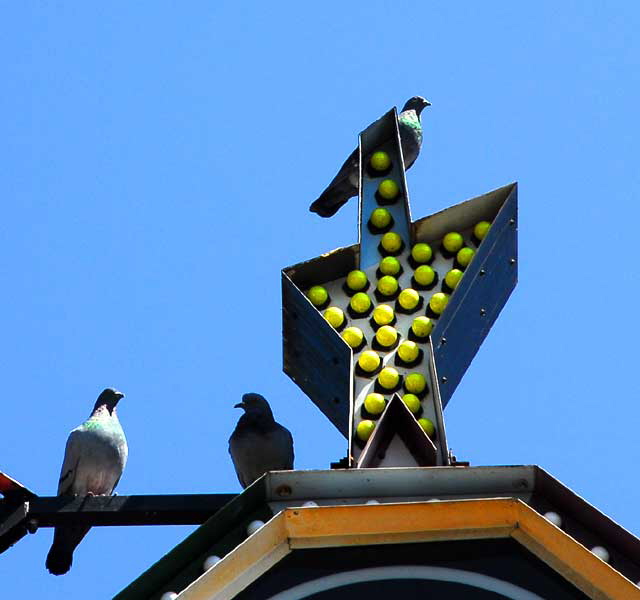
553,517
210,561
601,552
254,526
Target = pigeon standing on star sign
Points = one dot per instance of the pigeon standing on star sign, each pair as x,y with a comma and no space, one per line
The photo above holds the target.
94,459
258,443
345,183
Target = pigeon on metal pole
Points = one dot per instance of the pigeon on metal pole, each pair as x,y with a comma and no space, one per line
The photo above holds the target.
258,443
94,459
345,183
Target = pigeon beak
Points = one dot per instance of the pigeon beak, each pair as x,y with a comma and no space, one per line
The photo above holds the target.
239,405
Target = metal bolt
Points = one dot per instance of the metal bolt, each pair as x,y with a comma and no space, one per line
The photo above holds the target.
483,312
512,261
443,379
443,341
512,221
32,525
283,490
482,272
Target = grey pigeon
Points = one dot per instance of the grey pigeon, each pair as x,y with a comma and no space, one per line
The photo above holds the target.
345,183
258,444
94,459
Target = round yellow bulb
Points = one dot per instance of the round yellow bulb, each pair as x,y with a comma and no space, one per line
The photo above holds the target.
421,253
383,314
424,275
422,326
380,218
453,241
357,280
334,316
353,336
428,426
380,161
360,303
391,241
409,299
438,302
388,189
386,336
481,229
318,295
387,285
389,378
453,277
369,361
374,403
389,265
415,383
464,256
365,429
408,351
412,401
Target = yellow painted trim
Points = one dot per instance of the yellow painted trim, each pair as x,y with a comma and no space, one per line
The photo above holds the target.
253,557
571,559
332,526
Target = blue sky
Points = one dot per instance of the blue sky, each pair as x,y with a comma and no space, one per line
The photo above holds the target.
158,160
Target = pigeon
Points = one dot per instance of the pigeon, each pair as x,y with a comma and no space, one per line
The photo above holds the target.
258,444
94,459
345,183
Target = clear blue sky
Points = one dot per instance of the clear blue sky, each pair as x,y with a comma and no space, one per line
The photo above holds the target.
158,160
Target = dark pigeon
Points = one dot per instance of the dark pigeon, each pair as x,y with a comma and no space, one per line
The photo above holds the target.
258,444
94,459
345,183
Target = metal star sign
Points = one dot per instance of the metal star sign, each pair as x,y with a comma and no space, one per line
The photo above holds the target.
379,334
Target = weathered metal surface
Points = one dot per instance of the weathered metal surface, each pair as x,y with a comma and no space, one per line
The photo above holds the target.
398,441
381,136
483,291
315,356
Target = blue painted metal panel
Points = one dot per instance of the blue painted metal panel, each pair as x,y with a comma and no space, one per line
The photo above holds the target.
316,357
481,295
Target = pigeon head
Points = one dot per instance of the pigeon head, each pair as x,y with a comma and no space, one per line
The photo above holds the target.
255,405
417,103
108,398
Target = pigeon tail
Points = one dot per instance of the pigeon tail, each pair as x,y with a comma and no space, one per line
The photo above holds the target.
65,540
333,198
59,559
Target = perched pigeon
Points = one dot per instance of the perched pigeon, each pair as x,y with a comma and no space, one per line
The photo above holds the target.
94,459
258,444
345,183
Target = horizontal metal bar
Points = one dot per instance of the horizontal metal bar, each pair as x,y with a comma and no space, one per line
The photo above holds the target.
187,509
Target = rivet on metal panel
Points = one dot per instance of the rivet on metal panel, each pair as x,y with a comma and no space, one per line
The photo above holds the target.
482,272
336,400
443,379
512,221
283,490
483,311
443,341
512,261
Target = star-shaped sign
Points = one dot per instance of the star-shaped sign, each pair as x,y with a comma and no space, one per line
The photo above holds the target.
379,334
